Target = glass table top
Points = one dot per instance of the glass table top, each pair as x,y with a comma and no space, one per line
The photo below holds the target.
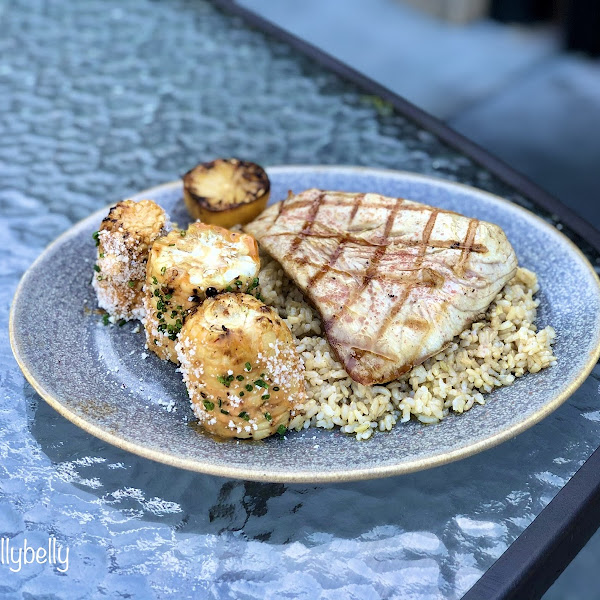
99,100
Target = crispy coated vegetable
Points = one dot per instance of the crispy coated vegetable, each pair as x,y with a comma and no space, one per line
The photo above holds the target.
123,243
226,192
244,376
184,268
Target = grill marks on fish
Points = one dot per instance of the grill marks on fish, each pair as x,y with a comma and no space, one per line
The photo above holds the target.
308,224
467,247
373,267
363,239
342,241
380,249
347,238
350,202
282,206
408,288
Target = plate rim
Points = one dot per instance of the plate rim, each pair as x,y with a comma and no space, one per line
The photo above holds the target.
340,475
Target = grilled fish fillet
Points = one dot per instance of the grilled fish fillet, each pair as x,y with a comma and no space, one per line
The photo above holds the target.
393,280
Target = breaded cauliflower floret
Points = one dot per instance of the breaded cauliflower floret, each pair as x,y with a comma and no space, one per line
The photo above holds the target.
184,268
239,362
124,240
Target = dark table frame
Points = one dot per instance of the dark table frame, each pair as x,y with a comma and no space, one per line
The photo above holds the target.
541,553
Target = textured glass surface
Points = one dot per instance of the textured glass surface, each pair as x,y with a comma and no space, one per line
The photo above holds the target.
102,99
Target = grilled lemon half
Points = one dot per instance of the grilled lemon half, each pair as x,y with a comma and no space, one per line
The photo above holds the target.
226,192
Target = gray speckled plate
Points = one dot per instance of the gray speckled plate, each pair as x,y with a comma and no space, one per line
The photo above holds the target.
96,377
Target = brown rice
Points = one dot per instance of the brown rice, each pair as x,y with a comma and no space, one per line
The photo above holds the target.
492,352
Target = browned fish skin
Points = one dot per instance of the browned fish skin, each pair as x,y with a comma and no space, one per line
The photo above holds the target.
393,280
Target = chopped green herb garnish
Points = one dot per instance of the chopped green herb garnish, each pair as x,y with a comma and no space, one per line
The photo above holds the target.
259,297
265,396
105,319
225,412
182,233
171,244
268,417
238,283
121,322
131,284
249,387
261,383
99,277
281,430
244,415
163,270
154,281
208,405
229,289
168,296
275,388
101,255
96,238
224,380
254,284
157,292
247,367
241,394
240,378
97,268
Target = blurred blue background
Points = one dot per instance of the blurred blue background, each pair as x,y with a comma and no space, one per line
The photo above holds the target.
511,87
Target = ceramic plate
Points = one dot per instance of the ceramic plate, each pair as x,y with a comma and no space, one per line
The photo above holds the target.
97,378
